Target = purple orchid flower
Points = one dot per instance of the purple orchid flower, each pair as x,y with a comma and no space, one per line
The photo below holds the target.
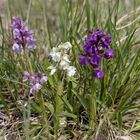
96,47
35,80
22,36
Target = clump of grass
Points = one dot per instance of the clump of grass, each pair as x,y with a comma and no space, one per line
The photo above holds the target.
63,107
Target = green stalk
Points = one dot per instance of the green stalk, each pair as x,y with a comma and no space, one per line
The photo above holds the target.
47,32
104,83
26,117
88,14
21,61
58,107
42,106
28,61
92,108
29,10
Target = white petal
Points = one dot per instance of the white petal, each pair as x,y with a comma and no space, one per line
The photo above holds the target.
60,46
71,71
66,45
54,49
64,65
66,58
50,67
56,56
53,71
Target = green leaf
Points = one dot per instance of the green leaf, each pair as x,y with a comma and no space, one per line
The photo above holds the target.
136,128
49,106
82,100
129,70
67,114
119,120
36,107
67,104
88,14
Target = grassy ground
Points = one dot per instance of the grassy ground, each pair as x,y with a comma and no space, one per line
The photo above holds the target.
62,110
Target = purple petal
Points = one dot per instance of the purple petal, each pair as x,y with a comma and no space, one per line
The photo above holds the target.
98,74
41,73
16,48
30,40
16,33
26,76
32,78
18,23
109,54
37,80
83,59
31,47
91,39
26,73
95,60
43,79
105,43
26,32
32,90
37,86
87,48
94,50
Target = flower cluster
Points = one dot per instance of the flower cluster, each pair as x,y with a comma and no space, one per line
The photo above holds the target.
60,56
96,47
35,80
22,36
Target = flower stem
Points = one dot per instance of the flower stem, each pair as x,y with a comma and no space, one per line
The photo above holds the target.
26,116
42,106
59,107
92,108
